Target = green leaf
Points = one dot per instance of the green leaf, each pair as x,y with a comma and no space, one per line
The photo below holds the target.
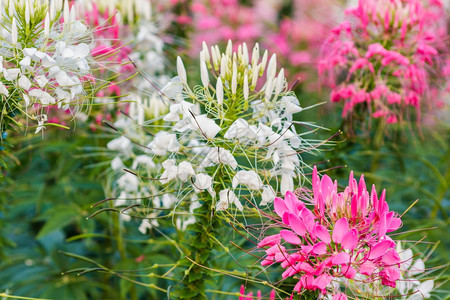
58,217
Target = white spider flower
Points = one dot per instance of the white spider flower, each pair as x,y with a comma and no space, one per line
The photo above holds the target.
117,164
206,126
128,182
222,133
144,160
268,195
185,170
204,182
227,197
121,144
164,142
219,155
240,129
43,57
248,178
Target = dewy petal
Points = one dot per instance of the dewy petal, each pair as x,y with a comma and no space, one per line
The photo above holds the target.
290,237
340,229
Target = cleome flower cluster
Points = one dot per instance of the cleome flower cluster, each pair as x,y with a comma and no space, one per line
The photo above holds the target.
43,60
385,58
229,138
343,236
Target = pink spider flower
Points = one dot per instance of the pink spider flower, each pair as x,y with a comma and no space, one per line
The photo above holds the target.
342,235
249,296
394,44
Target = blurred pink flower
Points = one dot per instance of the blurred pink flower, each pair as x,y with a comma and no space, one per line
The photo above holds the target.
390,50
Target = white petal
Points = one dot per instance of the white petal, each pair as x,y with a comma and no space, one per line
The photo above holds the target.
287,183
268,195
3,89
24,82
248,178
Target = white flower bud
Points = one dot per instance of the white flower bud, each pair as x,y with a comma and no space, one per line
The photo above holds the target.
223,66
207,57
11,5
245,53
280,83
269,89
204,70
229,49
263,63
52,10
215,59
47,25
245,86
255,73
66,14
181,70
272,67
27,13
14,31
234,79
255,54
219,91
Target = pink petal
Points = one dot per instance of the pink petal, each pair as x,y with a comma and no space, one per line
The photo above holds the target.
280,206
320,248
322,281
348,271
290,200
367,268
350,240
341,258
340,229
340,296
270,240
290,237
323,234
297,225
379,249
391,257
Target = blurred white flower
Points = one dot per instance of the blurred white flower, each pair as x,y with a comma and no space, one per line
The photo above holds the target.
164,142
121,144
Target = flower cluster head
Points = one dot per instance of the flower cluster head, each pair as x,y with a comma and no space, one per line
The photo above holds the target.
342,236
231,137
385,58
44,60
